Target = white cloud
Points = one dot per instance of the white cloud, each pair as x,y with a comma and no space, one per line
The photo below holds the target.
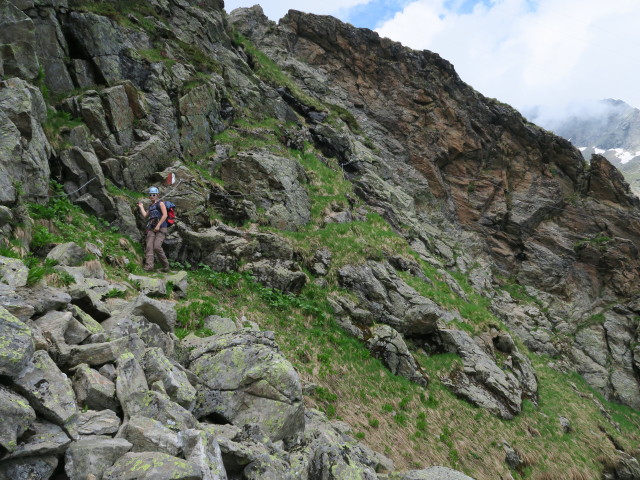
544,52
276,9
550,53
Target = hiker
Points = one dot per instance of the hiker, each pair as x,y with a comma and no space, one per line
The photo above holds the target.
156,230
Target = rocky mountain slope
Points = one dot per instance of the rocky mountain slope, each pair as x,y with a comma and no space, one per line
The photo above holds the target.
362,237
610,128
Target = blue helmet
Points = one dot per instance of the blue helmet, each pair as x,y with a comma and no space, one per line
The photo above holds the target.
154,190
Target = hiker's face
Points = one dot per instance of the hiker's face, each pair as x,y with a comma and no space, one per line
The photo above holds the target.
153,196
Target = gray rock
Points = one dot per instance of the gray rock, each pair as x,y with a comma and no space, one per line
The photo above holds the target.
246,380
70,254
18,36
89,300
219,325
321,262
24,148
44,439
201,448
512,457
325,450
431,473
152,466
15,303
92,325
91,456
159,406
76,333
130,380
16,344
96,354
53,327
45,299
13,272
123,325
93,390
389,346
390,299
153,287
270,181
149,435
481,381
565,424
92,422
280,275
17,416
48,390
156,311
158,368
32,468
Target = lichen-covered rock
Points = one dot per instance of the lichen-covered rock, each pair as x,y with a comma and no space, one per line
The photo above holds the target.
153,287
130,380
247,380
388,345
201,448
13,272
15,303
157,405
33,468
16,344
48,390
43,438
93,390
104,422
91,456
17,416
152,466
149,435
123,324
158,368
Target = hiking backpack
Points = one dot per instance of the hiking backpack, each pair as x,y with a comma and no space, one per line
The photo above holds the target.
171,213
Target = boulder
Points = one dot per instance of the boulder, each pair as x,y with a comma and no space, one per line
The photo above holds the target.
201,449
92,422
279,275
41,439
93,390
13,272
48,390
92,456
17,416
247,380
153,287
70,254
33,468
480,380
431,473
122,325
156,311
390,300
158,368
15,303
157,405
17,36
149,435
151,466
130,380
16,344
389,346
271,182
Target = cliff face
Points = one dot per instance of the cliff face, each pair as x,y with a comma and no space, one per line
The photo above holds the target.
286,140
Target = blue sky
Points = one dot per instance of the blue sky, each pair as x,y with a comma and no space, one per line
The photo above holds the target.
553,54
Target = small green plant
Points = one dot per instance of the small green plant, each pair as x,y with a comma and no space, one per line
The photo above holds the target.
599,241
115,293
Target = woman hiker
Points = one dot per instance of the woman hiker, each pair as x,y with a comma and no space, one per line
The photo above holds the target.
156,230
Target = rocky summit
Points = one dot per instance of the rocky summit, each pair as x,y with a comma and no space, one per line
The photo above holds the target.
377,272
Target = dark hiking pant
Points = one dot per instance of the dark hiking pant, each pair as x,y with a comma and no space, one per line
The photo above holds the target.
154,246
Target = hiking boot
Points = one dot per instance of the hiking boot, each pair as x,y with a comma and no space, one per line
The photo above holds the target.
147,269
165,269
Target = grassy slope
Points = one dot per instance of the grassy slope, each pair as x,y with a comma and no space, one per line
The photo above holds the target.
414,426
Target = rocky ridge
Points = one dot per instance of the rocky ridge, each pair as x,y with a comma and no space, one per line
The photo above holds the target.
467,182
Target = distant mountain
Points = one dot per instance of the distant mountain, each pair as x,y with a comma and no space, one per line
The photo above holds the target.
610,128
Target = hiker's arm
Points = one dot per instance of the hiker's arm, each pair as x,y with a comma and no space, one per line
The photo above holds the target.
142,210
163,210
